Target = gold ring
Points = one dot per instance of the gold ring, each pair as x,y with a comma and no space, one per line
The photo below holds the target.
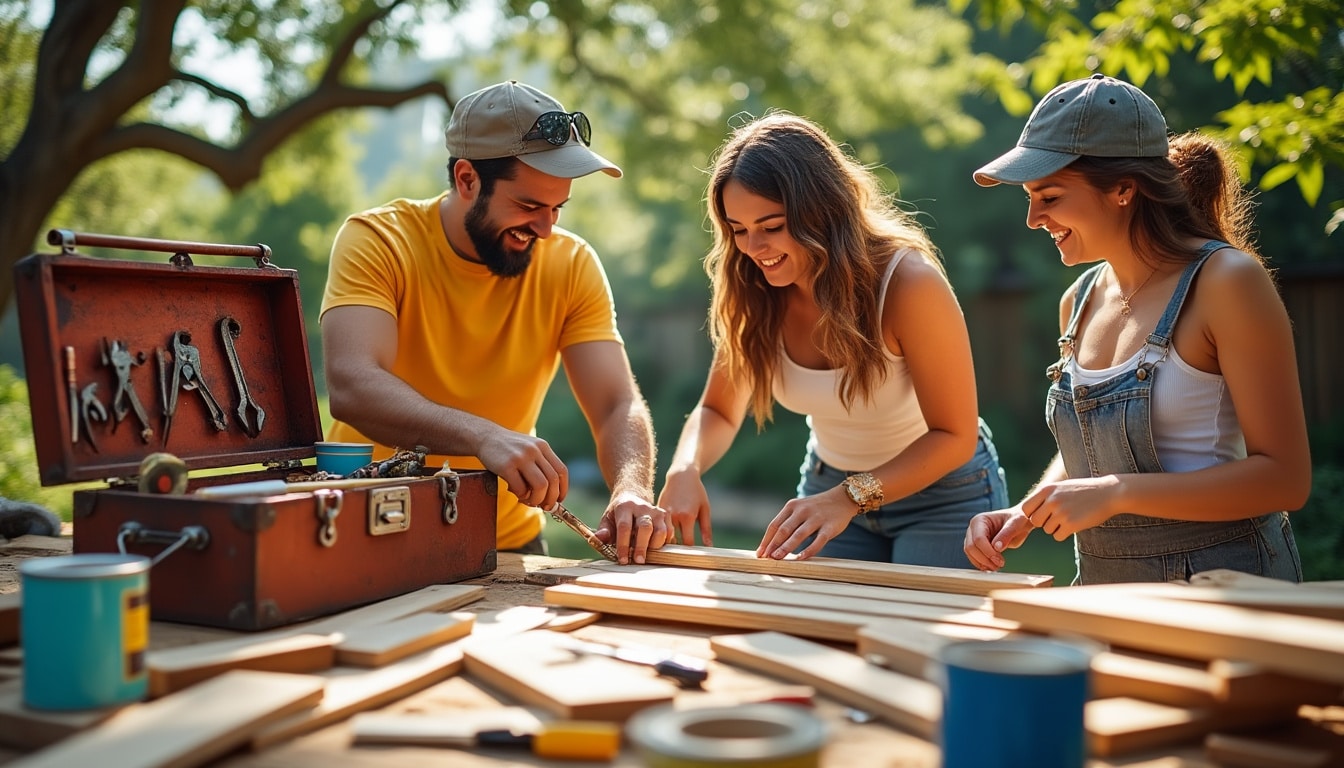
646,519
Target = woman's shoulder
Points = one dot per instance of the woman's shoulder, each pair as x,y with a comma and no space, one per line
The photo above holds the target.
1228,268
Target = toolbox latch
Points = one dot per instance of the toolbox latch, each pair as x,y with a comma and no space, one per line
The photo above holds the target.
449,482
389,510
328,508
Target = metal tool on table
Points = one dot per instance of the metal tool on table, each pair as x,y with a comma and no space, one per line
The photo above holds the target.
118,355
686,670
230,329
578,526
91,409
187,377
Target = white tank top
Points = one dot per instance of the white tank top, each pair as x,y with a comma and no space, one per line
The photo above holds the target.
1194,424
870,432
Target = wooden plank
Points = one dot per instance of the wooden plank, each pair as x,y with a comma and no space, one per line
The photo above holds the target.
907,702
677,583
534,668
187,728
965,581
826,625
1242,683
351,689
435,597
31,729
1303,646
911,647
1122,726
379,644
1235,751
786,583
438,731
177,668
1281,596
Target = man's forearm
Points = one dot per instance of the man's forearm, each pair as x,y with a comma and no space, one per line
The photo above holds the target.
626,451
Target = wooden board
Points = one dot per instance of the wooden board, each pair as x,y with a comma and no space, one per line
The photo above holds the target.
436,597
789,584
438,731
909,646
1303,646
907,702
678,583
1241,683
963,581
379,644
32,728
176,668
1122,726
1281,596
187,728
826,625
534,668
1233,751
351,689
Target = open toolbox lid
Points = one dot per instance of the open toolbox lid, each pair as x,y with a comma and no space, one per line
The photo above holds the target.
109,337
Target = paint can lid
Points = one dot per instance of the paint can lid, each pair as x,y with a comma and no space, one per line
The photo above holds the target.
84,566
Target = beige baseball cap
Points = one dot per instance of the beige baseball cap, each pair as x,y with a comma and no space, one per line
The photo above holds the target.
492,122
1098,116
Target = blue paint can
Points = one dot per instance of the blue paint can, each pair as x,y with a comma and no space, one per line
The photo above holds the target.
84,627
1014,702
342,458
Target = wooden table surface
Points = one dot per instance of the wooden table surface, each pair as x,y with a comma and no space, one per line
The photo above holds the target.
851,743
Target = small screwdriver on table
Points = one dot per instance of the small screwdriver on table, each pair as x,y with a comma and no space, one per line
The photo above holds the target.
686,670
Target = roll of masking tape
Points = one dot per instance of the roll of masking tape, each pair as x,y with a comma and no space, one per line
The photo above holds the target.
163,473
756,735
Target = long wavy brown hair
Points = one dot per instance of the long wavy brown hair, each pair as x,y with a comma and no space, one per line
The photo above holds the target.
1192,192
836,209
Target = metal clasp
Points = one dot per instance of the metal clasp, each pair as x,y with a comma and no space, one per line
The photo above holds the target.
449,483
389,510
328,508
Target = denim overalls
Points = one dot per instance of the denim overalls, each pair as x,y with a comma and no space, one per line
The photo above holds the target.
925,528
1106,429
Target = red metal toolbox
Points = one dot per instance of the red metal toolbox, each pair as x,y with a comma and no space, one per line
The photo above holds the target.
210,364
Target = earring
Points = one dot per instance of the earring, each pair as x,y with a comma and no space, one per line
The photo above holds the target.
1124,202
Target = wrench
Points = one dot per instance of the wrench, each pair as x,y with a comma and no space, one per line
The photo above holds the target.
230,329
187,377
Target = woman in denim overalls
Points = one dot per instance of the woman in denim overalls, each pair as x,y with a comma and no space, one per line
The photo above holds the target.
831,301
1175,403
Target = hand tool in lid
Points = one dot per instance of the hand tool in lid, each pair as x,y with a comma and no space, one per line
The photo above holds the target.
73,390
686,670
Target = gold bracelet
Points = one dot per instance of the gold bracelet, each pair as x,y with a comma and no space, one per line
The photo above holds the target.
864,490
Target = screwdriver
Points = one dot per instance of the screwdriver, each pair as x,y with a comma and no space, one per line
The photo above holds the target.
686,670
510,727
561,740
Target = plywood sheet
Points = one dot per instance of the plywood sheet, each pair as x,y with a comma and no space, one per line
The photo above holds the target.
176,668
378,644
534,668
959,580
31,728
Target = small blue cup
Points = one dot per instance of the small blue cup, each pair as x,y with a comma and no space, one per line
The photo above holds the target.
343,458
1014,702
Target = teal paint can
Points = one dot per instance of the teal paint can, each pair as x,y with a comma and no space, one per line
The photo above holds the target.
84,628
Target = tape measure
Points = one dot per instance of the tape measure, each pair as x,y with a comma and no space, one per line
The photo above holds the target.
163,473
756,735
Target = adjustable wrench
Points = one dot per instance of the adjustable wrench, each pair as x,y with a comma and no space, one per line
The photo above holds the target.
230,329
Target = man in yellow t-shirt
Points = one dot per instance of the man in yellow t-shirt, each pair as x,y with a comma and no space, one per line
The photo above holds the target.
445,320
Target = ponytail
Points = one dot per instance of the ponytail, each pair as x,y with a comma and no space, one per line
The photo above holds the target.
1213,189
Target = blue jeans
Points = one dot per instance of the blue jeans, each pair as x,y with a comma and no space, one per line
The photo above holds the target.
926,528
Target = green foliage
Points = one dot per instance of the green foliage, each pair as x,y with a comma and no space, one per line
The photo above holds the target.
18,454
1319,526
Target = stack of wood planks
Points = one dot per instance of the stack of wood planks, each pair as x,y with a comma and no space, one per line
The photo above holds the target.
1226,654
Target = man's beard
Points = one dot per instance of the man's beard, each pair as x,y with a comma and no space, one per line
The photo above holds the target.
489,245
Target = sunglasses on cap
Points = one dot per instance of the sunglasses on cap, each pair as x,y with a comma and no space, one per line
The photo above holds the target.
555,128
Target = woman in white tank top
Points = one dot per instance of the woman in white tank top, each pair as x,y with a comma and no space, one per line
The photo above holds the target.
831,301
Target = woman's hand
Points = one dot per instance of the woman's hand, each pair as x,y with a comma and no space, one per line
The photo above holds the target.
825,514
990,533
1065,507
687,504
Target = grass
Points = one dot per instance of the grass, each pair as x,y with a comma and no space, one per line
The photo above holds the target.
1039,555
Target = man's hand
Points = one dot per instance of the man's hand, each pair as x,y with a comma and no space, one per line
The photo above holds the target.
635,526
527,465
990,533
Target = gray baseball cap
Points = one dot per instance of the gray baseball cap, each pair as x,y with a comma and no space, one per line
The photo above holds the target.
492,122
1099,116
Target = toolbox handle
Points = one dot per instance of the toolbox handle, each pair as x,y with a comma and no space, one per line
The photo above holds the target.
194,536
181,249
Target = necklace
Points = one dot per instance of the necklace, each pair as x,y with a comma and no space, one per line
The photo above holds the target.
1124,300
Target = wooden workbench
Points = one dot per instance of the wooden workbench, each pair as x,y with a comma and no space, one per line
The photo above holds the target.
851,743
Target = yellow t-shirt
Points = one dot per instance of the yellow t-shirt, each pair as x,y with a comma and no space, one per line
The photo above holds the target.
466,338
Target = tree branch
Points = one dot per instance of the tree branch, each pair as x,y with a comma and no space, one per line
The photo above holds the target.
649,104
238,166
343,50
217,90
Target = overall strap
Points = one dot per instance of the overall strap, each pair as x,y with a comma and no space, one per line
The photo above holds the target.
1161,335
1085,285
